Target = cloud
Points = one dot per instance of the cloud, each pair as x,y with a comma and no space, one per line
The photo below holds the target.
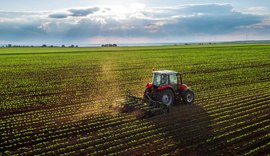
257,10
210,23
17,14
74,13
208,9
20,31
83,12
210,19
58,15
177,22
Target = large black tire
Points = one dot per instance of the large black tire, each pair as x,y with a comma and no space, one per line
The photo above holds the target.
167,97
189,97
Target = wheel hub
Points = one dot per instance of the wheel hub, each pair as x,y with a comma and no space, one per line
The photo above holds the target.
166,99
189,97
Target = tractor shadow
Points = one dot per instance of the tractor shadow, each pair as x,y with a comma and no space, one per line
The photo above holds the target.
187,125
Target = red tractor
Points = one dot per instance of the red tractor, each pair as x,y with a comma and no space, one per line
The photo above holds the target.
166,87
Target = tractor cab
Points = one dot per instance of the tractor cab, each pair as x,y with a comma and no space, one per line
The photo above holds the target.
165,77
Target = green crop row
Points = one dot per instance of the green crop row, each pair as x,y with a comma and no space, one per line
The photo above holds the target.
57,101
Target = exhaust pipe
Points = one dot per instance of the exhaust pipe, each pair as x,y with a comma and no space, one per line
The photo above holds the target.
181,78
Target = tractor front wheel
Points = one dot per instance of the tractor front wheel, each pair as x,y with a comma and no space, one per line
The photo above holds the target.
167,97
189,97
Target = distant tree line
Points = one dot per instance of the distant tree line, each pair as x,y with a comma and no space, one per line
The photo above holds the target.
71,46
44,45
195,43
10,45
109,45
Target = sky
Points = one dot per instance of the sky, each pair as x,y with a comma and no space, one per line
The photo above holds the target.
83,22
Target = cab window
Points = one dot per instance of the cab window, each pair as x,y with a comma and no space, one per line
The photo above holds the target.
173,79
164,79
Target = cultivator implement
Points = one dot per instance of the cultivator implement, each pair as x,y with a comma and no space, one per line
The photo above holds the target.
141,107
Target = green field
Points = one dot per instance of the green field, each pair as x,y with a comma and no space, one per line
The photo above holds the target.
57,100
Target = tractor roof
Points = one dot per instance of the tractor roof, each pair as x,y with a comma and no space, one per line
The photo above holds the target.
165,72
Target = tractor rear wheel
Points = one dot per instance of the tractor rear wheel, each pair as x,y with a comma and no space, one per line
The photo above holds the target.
189,97
167,97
